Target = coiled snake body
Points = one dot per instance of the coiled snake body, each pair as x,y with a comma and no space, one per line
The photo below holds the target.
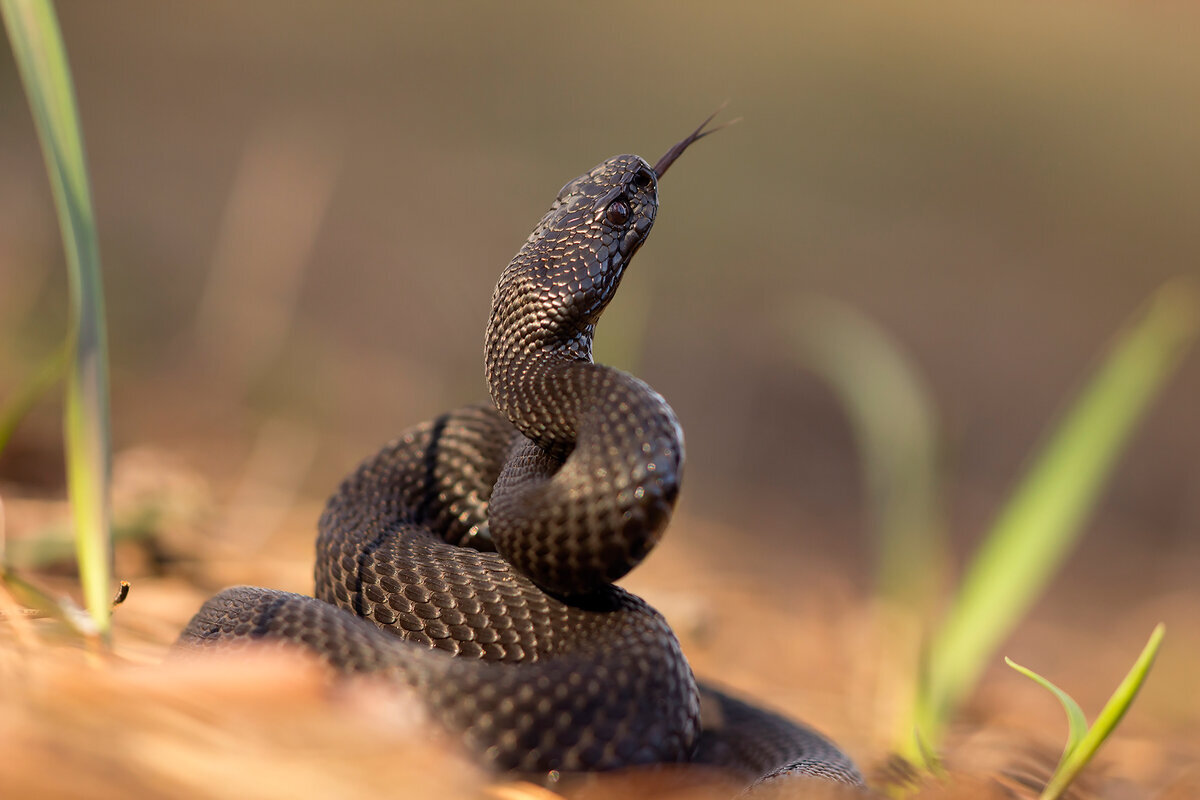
473,558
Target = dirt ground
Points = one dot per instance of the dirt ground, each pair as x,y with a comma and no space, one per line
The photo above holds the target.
788,630
303,208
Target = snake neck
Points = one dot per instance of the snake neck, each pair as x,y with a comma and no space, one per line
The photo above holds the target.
601,503
532,379
551,294
598,476
595,482
543,379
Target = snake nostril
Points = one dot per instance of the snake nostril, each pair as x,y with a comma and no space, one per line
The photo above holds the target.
642,179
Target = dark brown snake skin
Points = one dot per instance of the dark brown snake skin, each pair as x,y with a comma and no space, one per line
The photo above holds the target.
473,558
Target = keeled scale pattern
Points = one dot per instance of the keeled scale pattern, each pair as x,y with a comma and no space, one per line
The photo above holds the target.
584,500
765,747
600,683
529,653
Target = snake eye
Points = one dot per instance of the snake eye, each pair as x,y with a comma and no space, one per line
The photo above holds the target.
618,212
642,179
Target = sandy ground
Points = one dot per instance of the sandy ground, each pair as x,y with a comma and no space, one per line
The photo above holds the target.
303,208
793,632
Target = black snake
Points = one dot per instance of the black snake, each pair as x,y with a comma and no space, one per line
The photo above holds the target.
473,558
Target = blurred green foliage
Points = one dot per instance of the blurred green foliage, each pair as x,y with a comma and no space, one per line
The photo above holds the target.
37,45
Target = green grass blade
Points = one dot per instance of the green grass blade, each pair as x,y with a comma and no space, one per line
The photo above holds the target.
892,415
38,48
54,544
1044,518
48,373
1108,719
891,412
1076,722
39,602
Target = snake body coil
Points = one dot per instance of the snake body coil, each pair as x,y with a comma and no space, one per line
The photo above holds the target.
473,557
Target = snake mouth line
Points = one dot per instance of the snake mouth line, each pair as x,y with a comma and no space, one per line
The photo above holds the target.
677,149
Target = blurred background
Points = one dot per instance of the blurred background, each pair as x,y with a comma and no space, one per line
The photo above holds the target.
303,209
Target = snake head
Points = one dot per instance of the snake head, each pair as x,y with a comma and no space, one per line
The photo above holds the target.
560,281
555,288
549,297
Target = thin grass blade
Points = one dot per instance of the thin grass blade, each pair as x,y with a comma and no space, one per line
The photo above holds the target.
38,602
48,373
1044,518
1076,721
41,59
1107,720
892,414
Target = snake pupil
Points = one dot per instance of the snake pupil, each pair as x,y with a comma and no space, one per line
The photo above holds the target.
618,212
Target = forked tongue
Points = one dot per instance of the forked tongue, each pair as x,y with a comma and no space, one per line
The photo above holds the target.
677,149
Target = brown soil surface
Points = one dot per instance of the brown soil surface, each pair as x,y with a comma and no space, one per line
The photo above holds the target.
303,208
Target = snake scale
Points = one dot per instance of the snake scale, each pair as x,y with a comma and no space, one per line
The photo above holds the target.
473,558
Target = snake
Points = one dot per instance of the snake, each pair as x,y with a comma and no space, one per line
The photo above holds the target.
473,558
